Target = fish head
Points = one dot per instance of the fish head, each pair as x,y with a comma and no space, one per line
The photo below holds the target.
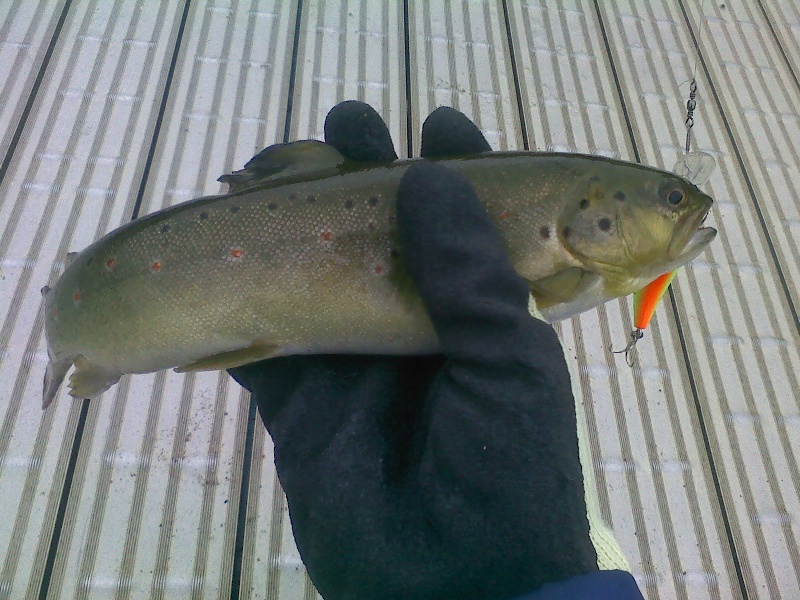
632,224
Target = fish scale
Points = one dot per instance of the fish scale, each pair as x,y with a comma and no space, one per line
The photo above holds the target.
302,256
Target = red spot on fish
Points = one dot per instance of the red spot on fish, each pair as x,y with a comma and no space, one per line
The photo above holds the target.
237,253
156,266
378,269
504,215
111,263
76,297
55,312
327,236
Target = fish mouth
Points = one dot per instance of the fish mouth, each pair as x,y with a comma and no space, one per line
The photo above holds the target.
697,242
689,238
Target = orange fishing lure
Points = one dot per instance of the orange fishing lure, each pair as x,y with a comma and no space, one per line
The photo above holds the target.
646,299
645,302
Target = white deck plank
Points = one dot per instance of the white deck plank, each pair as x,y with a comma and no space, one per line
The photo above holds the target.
760,99
460,59
649,459
735,314
67,184
26,29
343,56
782,18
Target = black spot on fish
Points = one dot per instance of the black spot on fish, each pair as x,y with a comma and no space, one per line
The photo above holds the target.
292,196
594,178
348,204
165,228
566,231
310,199
584,203
619,195
373,201
203,215
234,209
545,232
89,261
272,206
604,224
394,253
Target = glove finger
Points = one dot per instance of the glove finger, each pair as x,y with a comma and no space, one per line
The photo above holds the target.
472,293
448,132
358,132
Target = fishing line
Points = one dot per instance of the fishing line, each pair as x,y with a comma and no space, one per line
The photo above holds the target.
692,103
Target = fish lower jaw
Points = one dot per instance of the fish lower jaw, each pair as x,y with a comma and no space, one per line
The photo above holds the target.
698,242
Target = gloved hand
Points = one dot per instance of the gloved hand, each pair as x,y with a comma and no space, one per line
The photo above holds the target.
447,476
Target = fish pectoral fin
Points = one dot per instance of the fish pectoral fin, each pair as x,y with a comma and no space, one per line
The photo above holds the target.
90,380
229,360
563,286
283,160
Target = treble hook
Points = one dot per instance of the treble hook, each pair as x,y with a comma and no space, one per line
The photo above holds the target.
636,335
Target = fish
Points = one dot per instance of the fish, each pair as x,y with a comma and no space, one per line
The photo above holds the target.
301,256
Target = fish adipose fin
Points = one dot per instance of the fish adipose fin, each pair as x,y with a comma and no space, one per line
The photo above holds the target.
229,360
90,380
53,376
283,160
563,286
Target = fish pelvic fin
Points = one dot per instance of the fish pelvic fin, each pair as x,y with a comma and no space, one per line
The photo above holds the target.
229,360
53,376
90,380
283,160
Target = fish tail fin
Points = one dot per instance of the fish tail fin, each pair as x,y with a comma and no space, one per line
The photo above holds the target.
53,376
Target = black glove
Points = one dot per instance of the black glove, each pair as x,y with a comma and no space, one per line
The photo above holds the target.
448,476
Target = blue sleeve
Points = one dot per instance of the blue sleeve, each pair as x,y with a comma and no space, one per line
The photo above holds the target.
597,585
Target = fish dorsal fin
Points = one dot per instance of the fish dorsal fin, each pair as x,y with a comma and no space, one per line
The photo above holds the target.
283,160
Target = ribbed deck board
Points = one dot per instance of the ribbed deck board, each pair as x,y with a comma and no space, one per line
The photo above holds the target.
114,109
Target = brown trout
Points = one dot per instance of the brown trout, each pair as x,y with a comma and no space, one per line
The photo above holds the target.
301,256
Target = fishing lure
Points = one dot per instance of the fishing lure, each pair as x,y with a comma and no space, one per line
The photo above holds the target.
696,167
645,302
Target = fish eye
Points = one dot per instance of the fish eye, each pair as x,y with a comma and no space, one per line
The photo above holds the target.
671,192
675,197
